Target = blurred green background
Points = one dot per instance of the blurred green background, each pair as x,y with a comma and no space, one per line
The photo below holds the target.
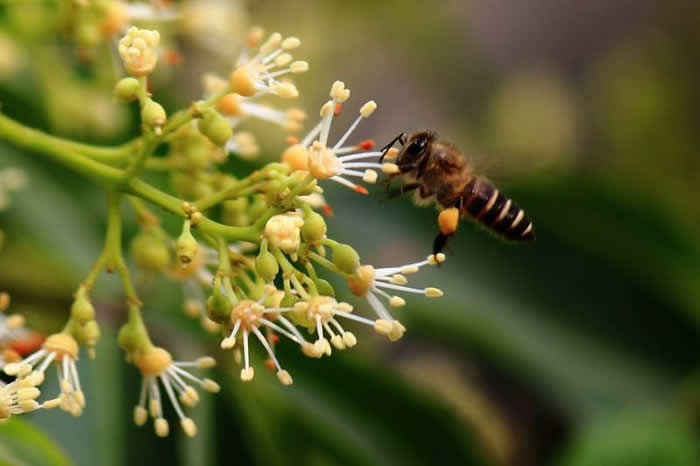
581,349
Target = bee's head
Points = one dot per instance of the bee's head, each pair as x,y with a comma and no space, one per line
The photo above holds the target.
414,147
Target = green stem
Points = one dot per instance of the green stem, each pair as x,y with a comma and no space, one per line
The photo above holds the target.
38,141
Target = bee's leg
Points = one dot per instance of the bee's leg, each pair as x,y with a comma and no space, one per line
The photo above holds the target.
400,138
440,242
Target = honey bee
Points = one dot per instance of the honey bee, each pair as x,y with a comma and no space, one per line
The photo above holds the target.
437,171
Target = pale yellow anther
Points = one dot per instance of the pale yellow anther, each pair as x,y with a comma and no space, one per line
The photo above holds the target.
296,114
337,342
399,279
433,292
368,108
51,404
271,43
161,427
397,331
189,427
140,415
247,374
339,93
285,90
349,339
290,43
243,81
210,386
327,108
383,326
284,377
153,361
206,362
154,408
434,259
409,270
13,368
299,67
391,154
283,60
228,343
397,301
189,396
309,349
370,176
63,345
345,307
390,168
28,405
31,393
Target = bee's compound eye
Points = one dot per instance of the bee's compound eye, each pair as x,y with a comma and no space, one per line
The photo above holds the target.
416,147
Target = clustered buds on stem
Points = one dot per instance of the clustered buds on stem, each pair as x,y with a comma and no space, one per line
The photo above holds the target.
253,275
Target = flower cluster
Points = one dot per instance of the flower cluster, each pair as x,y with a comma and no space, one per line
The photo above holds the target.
253,255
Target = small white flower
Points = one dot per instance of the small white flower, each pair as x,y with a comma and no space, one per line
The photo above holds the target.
371,284
62,349
337,162
250,316
19,396
320,313
157,364
138,51
259,74
284,231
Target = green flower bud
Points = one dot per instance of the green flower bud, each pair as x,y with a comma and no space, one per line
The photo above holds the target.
186,246
127,89
346,258
215,127
153,114
314,228
324,287
266,266
127,338
289,300
272,188
91,333
218,305
82,310
197,156
234,212
150,252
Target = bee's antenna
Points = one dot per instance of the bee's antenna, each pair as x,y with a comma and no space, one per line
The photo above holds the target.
400,138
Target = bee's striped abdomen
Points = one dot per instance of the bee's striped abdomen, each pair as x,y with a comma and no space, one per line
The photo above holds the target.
488,206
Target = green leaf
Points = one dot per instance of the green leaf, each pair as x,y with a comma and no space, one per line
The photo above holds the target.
22,444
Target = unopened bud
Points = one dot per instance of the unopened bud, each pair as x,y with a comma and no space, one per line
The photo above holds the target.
346,258
153,114
215,127
266,266
186,245
150,252
314,228
127,89
82,309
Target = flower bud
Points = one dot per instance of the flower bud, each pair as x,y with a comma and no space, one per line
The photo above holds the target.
91,333
258,206
82,310
346,258
127,89
266,266
127,338
215,127
186,246
138,51
314,228
284,232
150,252
153,114
324,287
218,305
